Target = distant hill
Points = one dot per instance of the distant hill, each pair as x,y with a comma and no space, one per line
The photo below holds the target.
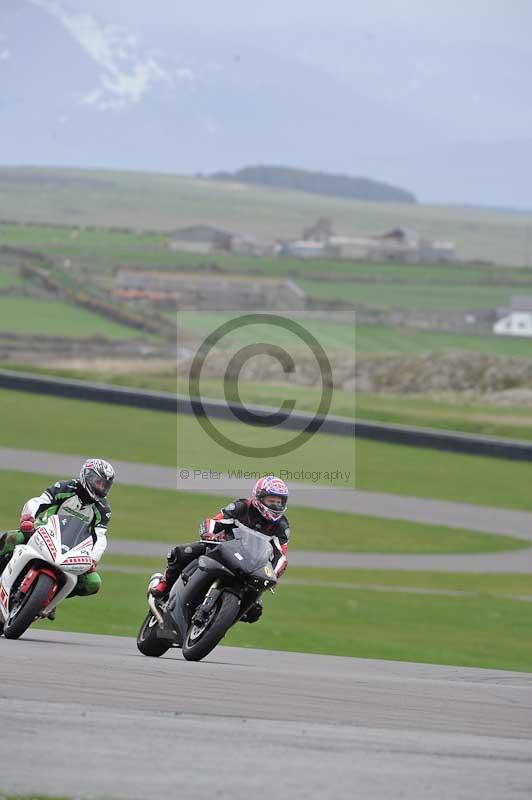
157,202
302,180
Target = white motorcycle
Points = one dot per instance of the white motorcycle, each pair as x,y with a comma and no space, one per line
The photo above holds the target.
43,572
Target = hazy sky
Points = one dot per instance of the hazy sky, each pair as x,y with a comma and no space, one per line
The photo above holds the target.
498,15
440,82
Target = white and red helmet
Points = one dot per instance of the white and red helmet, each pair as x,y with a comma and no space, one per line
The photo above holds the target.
270,496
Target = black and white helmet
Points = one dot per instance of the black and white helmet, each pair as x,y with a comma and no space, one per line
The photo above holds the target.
96,477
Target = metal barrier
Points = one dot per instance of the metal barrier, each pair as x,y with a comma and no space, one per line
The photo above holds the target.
338,426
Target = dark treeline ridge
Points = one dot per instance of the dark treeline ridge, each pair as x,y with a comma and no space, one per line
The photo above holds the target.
318,183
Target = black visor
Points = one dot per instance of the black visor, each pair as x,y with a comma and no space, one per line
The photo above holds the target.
97,484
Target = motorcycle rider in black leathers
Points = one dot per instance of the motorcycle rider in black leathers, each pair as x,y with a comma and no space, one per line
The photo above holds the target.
263,512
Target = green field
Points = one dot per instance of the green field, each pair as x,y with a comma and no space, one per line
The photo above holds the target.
381,285
374,340
97,251
448,411
480,630
379,467
101,249
364,339
330,335
471,416
9,278
162,438
57,318
31,797
168,516
164,202
415,295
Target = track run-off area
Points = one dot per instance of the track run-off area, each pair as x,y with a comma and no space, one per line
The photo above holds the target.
87,716
497,521
101,720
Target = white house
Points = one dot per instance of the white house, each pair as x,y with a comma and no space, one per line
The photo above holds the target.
516,320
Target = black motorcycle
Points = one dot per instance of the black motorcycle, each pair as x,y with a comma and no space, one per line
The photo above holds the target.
210,595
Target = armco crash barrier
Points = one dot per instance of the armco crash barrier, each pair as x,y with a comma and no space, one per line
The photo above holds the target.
338,426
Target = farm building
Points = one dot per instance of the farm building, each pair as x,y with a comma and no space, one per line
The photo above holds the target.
398,244
516,320
200,239
303,249
208,239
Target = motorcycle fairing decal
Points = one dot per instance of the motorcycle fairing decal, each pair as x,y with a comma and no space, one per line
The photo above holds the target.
49,542
3,597
78,514
77,560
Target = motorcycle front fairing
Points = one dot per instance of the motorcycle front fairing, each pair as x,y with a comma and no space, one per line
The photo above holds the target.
63,543
249,555
235,562
185,595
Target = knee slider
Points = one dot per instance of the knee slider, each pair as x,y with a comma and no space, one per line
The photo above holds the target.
88,584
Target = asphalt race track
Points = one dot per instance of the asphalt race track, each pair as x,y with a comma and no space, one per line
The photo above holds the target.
88,716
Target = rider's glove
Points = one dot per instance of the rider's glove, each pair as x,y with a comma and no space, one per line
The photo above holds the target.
26,523
210,536
207,534
94,565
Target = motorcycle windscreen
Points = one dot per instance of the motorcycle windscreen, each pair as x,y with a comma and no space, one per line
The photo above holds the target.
248,550
73,530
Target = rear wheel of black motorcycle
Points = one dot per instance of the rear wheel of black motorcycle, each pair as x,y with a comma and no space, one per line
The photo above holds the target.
148,642
200,641
29,607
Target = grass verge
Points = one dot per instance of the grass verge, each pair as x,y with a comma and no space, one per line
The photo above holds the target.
468,631
169,516
448,411
154,437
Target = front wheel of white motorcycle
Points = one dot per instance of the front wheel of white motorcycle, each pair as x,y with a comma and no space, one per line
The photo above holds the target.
28,607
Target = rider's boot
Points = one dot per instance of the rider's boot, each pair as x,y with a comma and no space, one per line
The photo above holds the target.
178,558
8,542
160,584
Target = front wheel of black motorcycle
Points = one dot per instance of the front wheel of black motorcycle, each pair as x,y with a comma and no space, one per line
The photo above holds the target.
200,640
148,642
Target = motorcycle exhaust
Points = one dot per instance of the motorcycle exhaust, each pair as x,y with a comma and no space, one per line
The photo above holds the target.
154,610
